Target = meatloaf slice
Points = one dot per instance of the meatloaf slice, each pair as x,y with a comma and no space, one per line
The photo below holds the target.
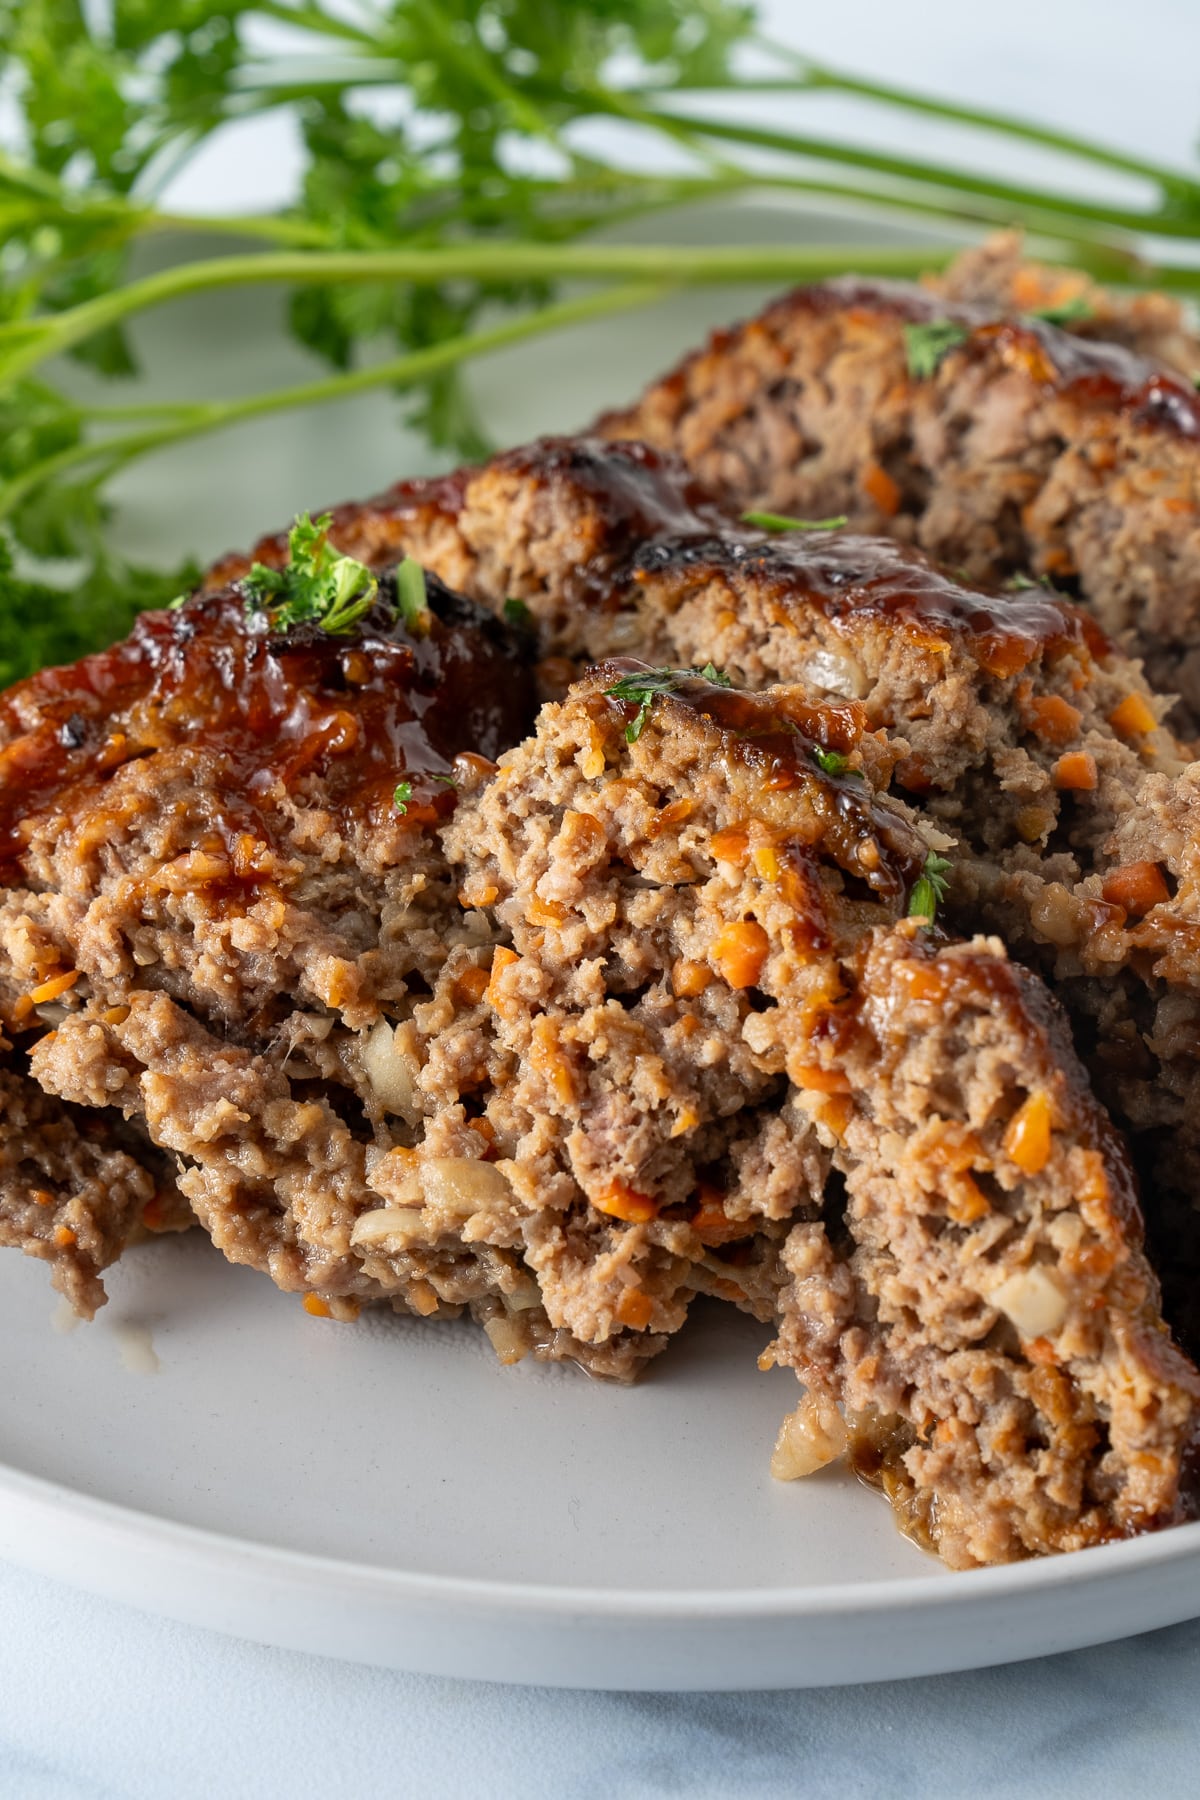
1020,729
996,274
998,444
968,1305
77,1187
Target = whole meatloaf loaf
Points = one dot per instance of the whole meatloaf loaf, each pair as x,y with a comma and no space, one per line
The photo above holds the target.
1024,734
997,443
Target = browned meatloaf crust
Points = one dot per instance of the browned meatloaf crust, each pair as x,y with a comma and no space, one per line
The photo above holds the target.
1027,736
1027,448
996,274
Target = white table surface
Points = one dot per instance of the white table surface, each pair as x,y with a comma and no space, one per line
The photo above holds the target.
97,1701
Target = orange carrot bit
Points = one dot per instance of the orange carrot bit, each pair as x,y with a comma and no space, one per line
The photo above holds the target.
730,846
319,1308
1075,770
1137,886
57,984
501,960
477,897
22,1007
821,1081
154,1215
1027,1140
965,1201
878,485
624,1202
837,1110
738,953
472,985
923,981
1053,718
546,1056
545,912
635,1309
64,1237
1133,717
689,978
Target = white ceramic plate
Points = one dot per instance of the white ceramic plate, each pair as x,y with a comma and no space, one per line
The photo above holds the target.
387,1491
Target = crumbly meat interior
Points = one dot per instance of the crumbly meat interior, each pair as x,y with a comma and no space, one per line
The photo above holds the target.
976,1312
1027,736
1021,446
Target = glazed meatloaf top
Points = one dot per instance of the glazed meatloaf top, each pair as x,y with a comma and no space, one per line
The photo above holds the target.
997,443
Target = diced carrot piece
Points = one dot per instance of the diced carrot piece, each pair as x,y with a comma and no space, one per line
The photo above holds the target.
965,1202
501,960
22,1007
1053,718
822,1081
1133,717
545,912
1137,886
689,978
739,952
878,485
766,862
624,1202
635,1309
41,1198
64,1237
730,846
836,1112
1003,654
319,1308
1027,1140
547,1058
472,985
57,984
923,981
1076,770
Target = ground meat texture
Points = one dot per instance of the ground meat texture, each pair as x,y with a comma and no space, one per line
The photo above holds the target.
993,1345
975,1320
996,274
1032,741
1027,448
76,1188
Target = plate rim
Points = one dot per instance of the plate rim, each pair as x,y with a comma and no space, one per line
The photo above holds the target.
941,1589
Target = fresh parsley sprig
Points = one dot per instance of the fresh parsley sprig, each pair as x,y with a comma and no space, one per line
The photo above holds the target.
929,890
927,345
644,688
770,521
315,586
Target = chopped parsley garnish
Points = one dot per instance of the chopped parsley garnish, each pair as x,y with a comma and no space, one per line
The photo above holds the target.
315,586
402,796
516,612
446,780
929,888
1067,314
1022,584
643,689
926,345
411,597
769,521
832,762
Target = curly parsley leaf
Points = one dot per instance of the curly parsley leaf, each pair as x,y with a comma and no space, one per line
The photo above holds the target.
1071,312
402,796
831,762
929,889
315,586
926,345
769,521
644,688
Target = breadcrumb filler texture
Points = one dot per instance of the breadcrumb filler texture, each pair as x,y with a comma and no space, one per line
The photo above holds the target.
567,1033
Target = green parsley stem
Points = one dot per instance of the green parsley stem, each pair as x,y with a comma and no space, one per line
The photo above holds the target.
113,453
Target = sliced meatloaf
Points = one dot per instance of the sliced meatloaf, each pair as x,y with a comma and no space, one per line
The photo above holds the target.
967,1302
998,444
996,274
1021,730
77,1188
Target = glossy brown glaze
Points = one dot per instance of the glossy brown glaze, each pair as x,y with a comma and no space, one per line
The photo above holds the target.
351,714
848,578
780,746
1101,375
